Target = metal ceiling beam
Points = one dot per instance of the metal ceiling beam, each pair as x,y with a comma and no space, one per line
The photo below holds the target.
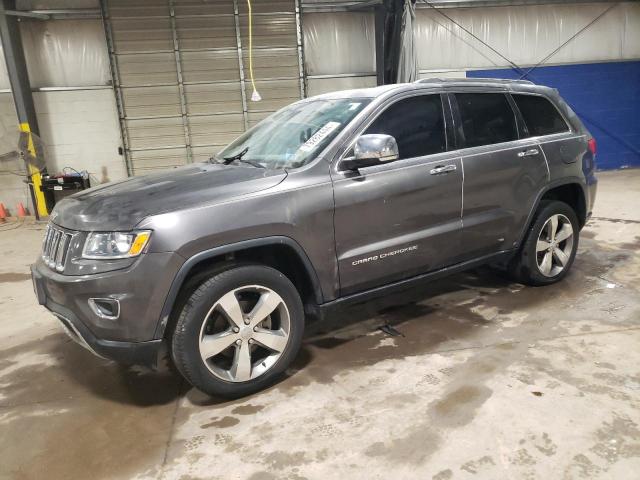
310,6
69,14
18,13
58,14
337,5
500,3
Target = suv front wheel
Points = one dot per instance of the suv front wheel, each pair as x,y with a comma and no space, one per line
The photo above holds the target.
238,331
549,247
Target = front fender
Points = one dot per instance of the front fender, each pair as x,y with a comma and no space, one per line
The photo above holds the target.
194,260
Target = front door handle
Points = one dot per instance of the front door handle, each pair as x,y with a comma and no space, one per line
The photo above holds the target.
440,169
529,153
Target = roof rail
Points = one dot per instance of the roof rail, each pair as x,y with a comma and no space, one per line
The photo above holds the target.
472,80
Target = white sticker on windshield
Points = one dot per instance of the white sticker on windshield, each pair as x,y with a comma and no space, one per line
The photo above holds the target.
317,137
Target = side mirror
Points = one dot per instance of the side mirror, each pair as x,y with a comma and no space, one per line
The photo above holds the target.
369,150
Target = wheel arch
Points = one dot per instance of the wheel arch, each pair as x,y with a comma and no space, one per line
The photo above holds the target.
570,191
280,252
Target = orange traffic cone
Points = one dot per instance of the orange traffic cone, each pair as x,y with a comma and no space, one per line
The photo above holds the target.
3,213
22,212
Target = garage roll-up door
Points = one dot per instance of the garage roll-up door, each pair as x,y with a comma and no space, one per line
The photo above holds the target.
181,73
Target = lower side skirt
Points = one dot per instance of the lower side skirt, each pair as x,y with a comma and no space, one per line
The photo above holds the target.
405,286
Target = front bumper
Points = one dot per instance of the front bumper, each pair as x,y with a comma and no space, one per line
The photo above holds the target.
140,290
129,353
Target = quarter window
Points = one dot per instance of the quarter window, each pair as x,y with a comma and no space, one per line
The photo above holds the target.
417,124
487,118
540,116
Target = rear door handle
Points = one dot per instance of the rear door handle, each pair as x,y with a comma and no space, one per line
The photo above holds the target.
440,169
529,153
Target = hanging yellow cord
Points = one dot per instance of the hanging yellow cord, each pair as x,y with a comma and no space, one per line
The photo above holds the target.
255,96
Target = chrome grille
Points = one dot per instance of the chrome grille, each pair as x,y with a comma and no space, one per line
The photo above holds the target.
55,247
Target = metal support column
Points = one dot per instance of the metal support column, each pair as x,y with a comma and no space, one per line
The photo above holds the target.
245,107
301,69
380,16
388,28
115,82
183,100
21,89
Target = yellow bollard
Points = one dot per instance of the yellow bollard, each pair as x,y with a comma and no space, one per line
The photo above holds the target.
34,173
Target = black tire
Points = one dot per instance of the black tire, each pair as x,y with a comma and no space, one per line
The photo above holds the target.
185,341
524,266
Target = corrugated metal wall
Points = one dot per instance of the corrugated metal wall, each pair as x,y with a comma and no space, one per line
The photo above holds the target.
182,73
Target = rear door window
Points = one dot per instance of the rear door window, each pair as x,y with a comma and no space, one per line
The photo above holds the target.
540,116
417,124
487,118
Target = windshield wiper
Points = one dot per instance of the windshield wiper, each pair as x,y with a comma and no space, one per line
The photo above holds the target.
237,156
248,162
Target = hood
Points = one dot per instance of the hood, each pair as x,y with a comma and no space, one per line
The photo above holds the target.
122,205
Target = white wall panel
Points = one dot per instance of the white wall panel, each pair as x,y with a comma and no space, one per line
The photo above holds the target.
80,129
631,28
339,42
442,74
344,42
318,86
4,76
8,125
65,53
526,34
12,186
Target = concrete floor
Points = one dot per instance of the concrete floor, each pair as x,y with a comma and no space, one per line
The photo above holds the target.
489,380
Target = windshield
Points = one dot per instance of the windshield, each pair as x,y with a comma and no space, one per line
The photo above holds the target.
293,136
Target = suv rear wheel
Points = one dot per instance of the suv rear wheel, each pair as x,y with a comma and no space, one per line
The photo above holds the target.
238,331
549,247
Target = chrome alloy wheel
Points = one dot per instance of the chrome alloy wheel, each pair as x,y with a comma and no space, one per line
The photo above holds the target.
554,246
244,333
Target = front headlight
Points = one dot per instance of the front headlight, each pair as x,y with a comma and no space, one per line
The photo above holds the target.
113,245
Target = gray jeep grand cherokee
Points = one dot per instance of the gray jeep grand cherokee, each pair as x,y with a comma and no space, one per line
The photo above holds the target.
331,200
